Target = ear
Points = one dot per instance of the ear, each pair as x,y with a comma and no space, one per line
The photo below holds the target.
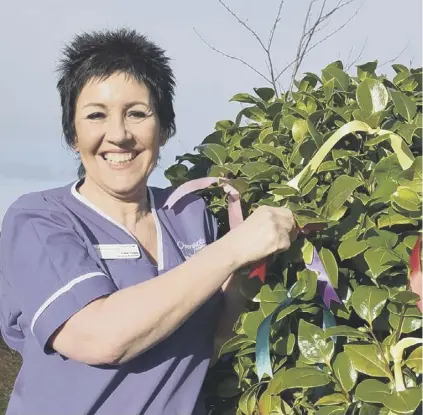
162,138
75,147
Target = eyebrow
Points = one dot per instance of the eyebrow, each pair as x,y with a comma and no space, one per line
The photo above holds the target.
126,106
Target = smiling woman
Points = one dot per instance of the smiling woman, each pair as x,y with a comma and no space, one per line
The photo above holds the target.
114,301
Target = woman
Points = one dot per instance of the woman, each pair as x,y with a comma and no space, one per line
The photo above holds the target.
109,298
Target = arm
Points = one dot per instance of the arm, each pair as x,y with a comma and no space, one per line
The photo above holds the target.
98,334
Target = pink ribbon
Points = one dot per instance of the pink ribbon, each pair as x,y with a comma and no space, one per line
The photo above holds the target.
234,209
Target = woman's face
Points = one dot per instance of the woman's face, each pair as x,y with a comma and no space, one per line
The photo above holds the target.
117,134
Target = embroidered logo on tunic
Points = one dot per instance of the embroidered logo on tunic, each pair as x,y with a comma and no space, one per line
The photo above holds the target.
189,250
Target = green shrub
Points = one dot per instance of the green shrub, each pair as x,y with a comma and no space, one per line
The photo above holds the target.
367,190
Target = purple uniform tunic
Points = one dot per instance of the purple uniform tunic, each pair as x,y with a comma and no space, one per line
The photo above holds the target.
58,252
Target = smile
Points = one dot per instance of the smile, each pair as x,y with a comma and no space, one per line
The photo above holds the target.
119,158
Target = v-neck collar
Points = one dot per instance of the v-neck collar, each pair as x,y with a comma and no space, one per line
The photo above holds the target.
160,257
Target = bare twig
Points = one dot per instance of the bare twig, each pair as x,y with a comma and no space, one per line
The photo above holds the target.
349,65
312,31
396,57
257,37
233,57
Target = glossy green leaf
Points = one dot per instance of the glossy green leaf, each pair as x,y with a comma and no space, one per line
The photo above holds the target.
266,94
214,152
405,402
367,359
404,105
304,377
332,410
340,77
372,391
369,409
372,96
344,371
368,302
333,399
299,130
313,344
242,97
235,343
346,331
351,248
330,264
341,189
379,260
414,360
258,170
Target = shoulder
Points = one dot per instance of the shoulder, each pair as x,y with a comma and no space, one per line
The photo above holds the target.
45,203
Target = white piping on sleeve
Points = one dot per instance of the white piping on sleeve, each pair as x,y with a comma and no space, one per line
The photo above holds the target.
60,292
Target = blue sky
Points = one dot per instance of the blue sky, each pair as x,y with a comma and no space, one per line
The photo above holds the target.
33,155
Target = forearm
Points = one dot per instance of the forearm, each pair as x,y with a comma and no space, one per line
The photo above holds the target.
156,308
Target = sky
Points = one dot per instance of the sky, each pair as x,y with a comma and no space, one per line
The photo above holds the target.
33,154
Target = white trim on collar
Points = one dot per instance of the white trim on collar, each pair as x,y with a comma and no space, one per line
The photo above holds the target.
160,264
86,202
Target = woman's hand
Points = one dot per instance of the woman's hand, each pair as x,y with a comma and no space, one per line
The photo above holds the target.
266,231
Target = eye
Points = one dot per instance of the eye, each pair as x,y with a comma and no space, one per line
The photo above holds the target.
96,116
137,114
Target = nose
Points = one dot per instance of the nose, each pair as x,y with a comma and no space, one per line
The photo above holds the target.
116,131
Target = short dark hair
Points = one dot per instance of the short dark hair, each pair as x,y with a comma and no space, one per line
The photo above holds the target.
100,54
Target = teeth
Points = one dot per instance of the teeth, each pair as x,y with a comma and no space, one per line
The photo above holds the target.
119,157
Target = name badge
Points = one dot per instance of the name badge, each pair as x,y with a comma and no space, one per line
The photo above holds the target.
117,251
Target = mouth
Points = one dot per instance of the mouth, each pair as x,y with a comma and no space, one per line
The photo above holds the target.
120,158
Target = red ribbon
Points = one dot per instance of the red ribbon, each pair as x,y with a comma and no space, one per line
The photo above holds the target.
416,271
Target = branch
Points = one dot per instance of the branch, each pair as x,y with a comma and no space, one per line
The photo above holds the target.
232,57
243,24
396,57
348,66
310,48
277,20
254,33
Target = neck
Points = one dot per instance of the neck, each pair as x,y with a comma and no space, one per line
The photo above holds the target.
126,211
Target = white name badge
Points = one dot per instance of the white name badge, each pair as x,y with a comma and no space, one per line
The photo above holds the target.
117,251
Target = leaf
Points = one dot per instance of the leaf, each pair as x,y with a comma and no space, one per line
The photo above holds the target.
404,402
368,302
368,409
341,189
303,377
299,130
407,199
379,260
351,248
248,401
215,152
372,96
313,344
387,168
285,345
251,323
266,94
372,390
366,70
341,78
332,410
330,265
414,361
366,358
332,399
346,331
405,106
247,98
235,343
258,170
345,371
317,137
